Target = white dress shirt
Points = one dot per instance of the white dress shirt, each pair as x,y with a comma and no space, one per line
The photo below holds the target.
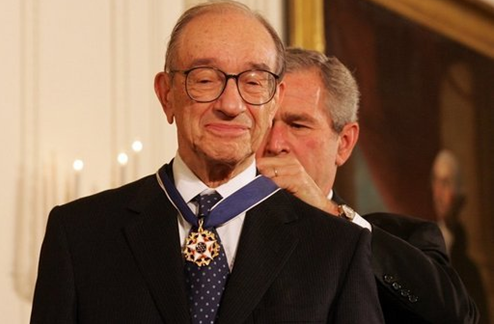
189,186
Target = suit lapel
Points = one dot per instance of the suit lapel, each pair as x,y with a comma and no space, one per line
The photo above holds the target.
265,245
154,241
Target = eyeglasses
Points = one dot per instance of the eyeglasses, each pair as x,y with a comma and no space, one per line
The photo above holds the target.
206,84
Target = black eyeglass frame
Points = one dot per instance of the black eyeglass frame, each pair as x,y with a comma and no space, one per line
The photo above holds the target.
227,77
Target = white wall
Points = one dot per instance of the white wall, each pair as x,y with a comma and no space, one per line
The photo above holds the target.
76,83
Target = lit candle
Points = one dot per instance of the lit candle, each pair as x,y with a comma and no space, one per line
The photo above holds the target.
78,165
122,159
136,148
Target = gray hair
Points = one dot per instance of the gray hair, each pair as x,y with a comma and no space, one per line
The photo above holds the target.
221,7
342,94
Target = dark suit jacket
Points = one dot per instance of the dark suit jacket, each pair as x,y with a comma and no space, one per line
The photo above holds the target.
415,279
115,257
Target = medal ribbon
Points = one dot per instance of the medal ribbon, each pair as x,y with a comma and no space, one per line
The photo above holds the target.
242,200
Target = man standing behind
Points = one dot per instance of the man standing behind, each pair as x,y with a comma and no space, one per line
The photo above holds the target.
139,253
313,133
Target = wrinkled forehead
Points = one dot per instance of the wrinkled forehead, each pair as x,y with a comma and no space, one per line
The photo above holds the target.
232,40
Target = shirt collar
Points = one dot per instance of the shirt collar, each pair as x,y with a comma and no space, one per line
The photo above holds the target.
189,185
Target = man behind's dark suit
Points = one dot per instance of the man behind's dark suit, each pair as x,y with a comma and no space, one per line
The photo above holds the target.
416,281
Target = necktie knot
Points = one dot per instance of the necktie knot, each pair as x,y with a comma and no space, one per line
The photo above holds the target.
206,202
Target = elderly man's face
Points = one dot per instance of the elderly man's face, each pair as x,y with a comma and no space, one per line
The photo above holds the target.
227,130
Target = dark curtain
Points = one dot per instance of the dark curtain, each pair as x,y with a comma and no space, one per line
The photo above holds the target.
395,63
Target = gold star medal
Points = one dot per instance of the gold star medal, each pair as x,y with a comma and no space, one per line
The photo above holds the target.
201,247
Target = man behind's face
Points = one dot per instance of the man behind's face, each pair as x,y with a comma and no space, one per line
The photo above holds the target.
302,127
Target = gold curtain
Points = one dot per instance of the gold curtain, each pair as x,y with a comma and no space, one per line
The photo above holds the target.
306,24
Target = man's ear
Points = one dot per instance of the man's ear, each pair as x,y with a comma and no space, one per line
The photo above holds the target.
162,88
347,139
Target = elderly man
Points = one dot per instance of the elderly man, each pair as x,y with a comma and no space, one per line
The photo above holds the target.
313,133
139,254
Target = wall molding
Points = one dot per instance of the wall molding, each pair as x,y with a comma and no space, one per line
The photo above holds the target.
467,22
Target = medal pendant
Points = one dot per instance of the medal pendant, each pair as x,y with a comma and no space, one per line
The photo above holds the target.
201,247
